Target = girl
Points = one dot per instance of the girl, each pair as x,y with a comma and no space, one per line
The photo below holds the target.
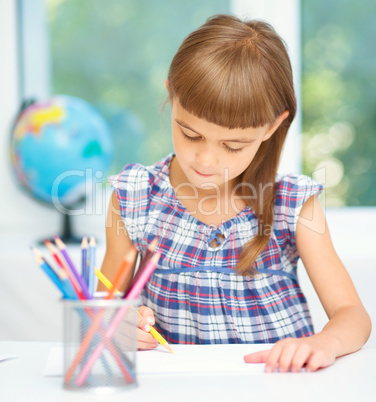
229,229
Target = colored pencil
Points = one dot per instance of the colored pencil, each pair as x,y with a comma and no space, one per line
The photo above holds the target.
120,275
122,271
54,252
156,335
153,331
61,246
132,295
105,281
152,246
84,267
90,273
69,293
48,270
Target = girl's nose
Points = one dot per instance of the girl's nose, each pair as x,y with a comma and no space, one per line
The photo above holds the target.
206,157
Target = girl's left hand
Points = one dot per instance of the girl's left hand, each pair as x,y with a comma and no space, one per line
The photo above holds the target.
292,354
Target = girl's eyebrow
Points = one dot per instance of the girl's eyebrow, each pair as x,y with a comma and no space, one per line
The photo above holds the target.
187,127
243,140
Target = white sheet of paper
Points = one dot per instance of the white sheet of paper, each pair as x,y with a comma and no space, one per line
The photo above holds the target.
198,359
3,358
185,359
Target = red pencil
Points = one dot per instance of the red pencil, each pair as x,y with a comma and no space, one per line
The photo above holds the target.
53,250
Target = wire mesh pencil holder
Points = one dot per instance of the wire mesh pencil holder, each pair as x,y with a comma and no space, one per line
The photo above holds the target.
94,359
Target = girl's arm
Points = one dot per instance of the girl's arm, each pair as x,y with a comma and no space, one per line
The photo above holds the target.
349,325
118,243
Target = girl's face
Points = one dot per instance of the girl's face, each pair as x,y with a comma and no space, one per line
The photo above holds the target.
211,155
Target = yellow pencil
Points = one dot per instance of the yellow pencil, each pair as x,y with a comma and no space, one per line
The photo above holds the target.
105,281
153,331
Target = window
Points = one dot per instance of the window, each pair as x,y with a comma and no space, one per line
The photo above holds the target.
116,57
339,97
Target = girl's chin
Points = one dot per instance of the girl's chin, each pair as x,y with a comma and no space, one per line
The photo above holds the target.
205,183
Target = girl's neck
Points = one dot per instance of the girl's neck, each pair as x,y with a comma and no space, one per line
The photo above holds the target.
211,206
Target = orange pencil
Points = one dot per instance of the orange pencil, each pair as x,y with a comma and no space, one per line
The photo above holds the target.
122,271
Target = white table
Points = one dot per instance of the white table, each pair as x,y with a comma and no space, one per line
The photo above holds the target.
351,378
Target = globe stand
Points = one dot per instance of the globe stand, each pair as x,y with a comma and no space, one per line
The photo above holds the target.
66,234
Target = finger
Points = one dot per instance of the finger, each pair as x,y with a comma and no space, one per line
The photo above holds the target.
145,318
257,357
273,357
145,340
301,357
147,315
316,361
125,339
286,357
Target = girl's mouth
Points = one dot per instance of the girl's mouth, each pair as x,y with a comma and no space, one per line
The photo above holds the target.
202,174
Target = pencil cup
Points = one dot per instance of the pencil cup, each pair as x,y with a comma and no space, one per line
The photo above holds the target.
94,358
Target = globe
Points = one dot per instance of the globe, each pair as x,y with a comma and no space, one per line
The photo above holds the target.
57,146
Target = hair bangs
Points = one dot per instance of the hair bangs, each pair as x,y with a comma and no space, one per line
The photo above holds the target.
225,91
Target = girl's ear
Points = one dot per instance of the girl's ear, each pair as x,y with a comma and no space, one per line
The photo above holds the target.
278,121
167,83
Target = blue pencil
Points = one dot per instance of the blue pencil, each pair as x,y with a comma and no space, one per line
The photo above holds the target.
59,277
47,269
84,267
69,292
91,270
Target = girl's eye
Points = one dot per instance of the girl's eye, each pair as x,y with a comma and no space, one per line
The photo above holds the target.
190,138
232,149
229,149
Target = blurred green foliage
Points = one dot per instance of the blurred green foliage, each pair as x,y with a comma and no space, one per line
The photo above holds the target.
339,98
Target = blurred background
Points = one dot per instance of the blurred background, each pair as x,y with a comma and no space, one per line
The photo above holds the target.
115,56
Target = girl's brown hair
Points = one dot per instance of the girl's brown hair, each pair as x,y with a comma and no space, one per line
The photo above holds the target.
237,74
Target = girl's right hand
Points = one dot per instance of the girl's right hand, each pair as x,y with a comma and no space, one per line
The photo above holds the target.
144,339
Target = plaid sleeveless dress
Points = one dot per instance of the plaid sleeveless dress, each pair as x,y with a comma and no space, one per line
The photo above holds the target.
195,293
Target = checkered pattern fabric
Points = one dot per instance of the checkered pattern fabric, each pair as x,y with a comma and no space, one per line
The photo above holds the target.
195,292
